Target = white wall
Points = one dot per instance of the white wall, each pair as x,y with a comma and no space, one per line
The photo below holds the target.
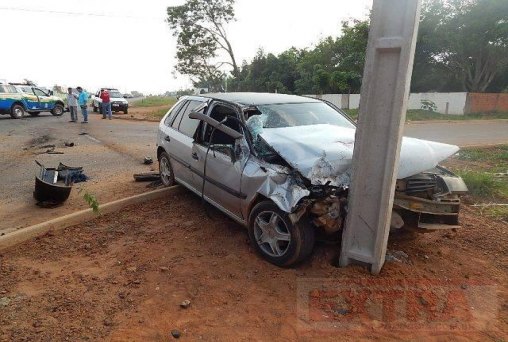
447,103
354,101
456,102
333,98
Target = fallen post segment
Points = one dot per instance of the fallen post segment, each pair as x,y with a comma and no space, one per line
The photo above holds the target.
65,221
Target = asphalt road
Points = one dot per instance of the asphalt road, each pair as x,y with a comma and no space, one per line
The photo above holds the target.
461,133
111,151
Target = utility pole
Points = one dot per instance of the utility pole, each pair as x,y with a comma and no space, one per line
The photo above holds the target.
383,103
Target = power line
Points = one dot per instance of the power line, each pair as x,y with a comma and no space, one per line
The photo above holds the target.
104,15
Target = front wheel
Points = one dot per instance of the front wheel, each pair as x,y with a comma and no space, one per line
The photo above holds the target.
95,109
17,111
165,170
126,111
58,110
276,238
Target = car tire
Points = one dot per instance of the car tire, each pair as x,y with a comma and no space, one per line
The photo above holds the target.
95,109
166,170
34,113
58,110
17,111
126,111
280,242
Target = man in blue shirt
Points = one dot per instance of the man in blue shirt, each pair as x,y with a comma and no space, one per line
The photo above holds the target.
82,100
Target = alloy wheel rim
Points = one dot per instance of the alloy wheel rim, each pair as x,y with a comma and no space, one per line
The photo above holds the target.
165,171
271,234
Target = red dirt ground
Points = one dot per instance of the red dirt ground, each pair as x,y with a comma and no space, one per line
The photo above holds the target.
122,277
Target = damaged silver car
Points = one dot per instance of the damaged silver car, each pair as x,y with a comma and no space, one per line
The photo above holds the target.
281,166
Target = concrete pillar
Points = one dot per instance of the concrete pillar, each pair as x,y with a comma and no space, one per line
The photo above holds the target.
384,95
344,101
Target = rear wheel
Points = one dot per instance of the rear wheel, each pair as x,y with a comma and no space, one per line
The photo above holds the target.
165,170
17,111
58,110
276,238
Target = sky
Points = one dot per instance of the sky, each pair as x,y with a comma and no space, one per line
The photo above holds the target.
129,46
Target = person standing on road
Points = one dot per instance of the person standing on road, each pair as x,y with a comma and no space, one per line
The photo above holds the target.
106,104
82,100
72,103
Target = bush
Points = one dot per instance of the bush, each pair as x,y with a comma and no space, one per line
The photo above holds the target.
428,105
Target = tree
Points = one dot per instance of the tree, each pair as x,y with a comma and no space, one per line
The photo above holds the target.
468,39
199,26
29,82
58,89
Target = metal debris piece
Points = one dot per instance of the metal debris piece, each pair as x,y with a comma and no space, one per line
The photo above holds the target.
147,177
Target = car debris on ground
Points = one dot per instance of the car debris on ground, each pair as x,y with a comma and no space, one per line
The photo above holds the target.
53,185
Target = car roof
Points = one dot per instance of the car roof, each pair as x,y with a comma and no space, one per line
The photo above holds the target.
256,99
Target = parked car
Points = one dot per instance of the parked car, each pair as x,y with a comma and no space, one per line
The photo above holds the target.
128,96
281,166
118,103
18,100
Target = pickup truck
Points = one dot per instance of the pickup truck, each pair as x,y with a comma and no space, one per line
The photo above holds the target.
17,102
118,102
38,100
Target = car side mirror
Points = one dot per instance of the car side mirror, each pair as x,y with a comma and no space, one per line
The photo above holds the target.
216,124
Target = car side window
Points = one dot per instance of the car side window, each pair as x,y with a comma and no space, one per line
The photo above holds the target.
221,112
178,117
188,126
174,112
39,92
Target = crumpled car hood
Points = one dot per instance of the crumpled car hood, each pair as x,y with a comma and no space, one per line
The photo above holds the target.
323,153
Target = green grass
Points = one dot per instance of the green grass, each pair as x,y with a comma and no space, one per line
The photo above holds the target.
485,162
423,115
496,157
155,101
483,185
352,113
159,113
500,212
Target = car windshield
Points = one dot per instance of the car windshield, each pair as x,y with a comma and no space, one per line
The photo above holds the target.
115,94
296,114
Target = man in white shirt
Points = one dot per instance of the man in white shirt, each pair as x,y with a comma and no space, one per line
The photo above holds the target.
72,103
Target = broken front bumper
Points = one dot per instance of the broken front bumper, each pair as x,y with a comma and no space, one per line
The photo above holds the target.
440,212
430,214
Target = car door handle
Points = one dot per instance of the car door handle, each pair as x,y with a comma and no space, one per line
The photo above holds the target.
167,138
195,156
